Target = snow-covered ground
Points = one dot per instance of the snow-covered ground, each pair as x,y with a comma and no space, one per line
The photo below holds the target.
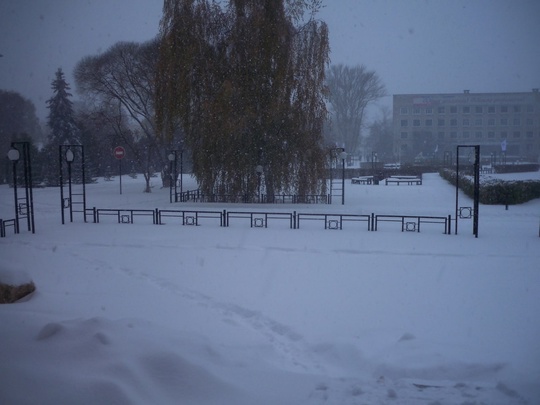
171,314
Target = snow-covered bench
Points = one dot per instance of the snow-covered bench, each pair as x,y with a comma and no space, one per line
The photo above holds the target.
410,180
362,180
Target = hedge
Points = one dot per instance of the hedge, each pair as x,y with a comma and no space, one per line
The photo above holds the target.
496,191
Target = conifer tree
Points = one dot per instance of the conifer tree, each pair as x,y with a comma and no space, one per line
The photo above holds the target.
62,125
61,119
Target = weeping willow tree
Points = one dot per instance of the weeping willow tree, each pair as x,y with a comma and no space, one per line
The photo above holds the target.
246,85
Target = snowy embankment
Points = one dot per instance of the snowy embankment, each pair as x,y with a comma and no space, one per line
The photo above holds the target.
141,313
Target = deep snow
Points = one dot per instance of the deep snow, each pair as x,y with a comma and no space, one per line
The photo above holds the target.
141,313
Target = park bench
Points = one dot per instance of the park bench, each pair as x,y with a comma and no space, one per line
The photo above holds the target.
362,180
409,180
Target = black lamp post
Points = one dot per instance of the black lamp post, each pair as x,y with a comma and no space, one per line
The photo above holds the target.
343,156
373,160
259,171
70,157
14,155
173,175
181,168
23,209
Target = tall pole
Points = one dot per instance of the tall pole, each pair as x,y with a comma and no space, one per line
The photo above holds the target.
343,178
15,195
120,170
457,189
181,170
175,176
30,187
61,178
476,188
70,193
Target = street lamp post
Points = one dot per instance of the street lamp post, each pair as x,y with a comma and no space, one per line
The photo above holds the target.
259,171
70,157
343,156
181,168
373,160
14,155
23,209
173,174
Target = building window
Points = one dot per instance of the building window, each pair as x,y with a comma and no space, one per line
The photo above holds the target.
478,134
453,134
517,134
504,134
478,122
404,123
478,109
530,122
504,121
529,134
453,110
403,110
465,122
416,123
466,110
441,110
491,122
429,123
429,110
530,108
517,108
517,122
491,134
491,109
440,135
453,122
504,108
416,111
404,135
440,122
466,134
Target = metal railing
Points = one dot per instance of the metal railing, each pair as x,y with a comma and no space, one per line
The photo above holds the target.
261,219
4,223
198,196
334,221
258,219
411,223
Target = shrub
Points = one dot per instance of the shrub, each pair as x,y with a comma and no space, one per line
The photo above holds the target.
496,191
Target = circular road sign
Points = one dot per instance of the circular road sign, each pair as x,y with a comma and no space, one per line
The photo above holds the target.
119,152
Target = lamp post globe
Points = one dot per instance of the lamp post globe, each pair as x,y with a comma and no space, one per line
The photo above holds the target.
69,156
14,155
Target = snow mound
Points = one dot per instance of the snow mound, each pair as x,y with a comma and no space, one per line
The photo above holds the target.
120,362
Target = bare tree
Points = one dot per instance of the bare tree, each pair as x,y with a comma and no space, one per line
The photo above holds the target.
380,138
120,85
351,90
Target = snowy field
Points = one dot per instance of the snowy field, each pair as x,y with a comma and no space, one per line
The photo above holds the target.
171,314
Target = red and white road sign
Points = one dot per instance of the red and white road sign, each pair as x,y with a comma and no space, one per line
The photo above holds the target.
119,152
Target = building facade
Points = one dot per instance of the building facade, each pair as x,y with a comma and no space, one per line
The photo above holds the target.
428,127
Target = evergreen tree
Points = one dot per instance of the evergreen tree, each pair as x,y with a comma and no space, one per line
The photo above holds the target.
62,125
247,86
61,119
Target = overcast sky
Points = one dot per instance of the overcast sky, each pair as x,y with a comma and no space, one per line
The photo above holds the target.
416,46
